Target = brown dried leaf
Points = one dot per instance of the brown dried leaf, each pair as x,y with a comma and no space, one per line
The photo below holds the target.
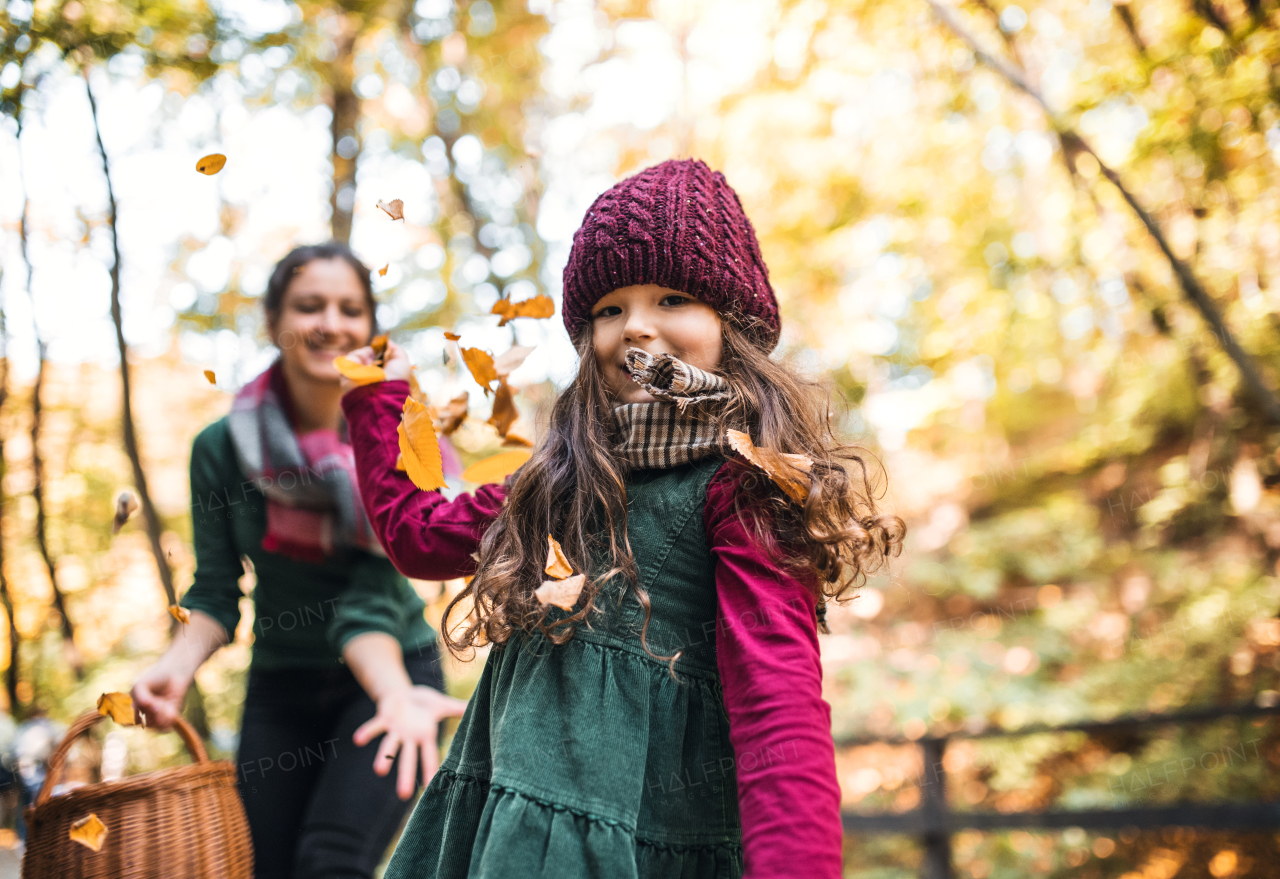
562,593
496,468
504,409
126,506
211,164
510,360
789,472
213,379
180,613
393,208
117,706
558,567
89,831
535,306
454,414
359,373
419,447
481,365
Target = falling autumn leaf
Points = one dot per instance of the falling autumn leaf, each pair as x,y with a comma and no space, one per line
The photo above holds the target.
213,379
117,706
504,409
211,164
126,506
453,415
510,360
536,306
359,373
481,365
562,593
394,208
496,468
452,337
558,567
419,447
383,271
89,831
784,469
180,613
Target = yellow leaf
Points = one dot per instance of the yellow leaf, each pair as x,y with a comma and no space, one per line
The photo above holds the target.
455,412
359,372
496,468
558,566
211,164
536,306
379,346
126,506
789,472
562,593
89,831
383,271
117,706
419,447
504,409
510,360
394,208
481,365
180,613
213,379
400,462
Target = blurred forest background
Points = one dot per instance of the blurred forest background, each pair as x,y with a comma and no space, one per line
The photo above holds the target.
1036,248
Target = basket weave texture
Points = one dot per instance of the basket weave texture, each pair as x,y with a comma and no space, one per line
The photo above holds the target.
179,823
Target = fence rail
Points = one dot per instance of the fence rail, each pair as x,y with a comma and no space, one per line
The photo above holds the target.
934,821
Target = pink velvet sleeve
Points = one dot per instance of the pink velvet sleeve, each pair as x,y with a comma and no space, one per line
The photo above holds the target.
424,535
779,724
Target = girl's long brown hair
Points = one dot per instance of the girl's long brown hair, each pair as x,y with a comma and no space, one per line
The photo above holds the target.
573,487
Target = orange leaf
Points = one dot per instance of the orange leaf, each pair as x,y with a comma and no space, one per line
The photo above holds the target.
394,208
504,409
452,337
496,468
562,593
213,379
383,271
180,613
379,346
89,831
558,566
359,372
535,306
211,164
117,706
788,471
419,447
455,412
510,360
126,506
481,365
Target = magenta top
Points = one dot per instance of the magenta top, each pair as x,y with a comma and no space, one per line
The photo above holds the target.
766,639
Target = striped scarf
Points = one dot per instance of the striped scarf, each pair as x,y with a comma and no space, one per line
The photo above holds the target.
660,435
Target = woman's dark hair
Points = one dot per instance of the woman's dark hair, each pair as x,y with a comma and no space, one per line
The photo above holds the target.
284,271
574,488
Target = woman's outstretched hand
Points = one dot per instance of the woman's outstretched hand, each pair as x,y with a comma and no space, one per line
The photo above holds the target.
407,720
395,364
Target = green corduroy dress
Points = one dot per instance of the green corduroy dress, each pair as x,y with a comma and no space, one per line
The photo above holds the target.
589,759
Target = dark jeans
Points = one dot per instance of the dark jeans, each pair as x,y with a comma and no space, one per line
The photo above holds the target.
316,809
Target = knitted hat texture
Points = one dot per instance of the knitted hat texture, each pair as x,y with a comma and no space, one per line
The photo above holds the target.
681,226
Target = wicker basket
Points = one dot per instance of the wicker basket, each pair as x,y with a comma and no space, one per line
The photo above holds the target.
179,823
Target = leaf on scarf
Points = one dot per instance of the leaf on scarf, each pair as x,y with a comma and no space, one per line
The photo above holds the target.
515,440
382,272
211,164
452,337
788,471
562,593
504,408
453,414
495,469
126,506
481,365
379,346
209,374
558,567
117,706
419,447
180,613
359,373
535,306
393,208
89,831
400,463
509,361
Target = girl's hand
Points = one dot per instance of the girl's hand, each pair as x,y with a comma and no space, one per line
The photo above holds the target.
409,717
395,364
158,694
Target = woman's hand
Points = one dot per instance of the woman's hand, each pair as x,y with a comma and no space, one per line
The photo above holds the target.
407,719
395,363
158,694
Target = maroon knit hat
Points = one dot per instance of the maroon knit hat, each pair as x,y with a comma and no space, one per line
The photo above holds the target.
681,226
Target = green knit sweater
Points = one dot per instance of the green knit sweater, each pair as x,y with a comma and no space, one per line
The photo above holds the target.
304,612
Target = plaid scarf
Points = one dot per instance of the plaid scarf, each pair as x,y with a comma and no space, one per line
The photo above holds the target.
660,435
313,500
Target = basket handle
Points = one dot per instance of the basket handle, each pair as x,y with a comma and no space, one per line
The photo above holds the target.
82,725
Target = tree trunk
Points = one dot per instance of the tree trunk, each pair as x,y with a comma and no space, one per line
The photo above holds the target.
344,105
6,599
149,515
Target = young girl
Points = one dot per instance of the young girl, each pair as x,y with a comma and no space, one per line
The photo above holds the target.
672,723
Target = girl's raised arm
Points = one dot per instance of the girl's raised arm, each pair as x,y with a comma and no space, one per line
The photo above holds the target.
424,535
